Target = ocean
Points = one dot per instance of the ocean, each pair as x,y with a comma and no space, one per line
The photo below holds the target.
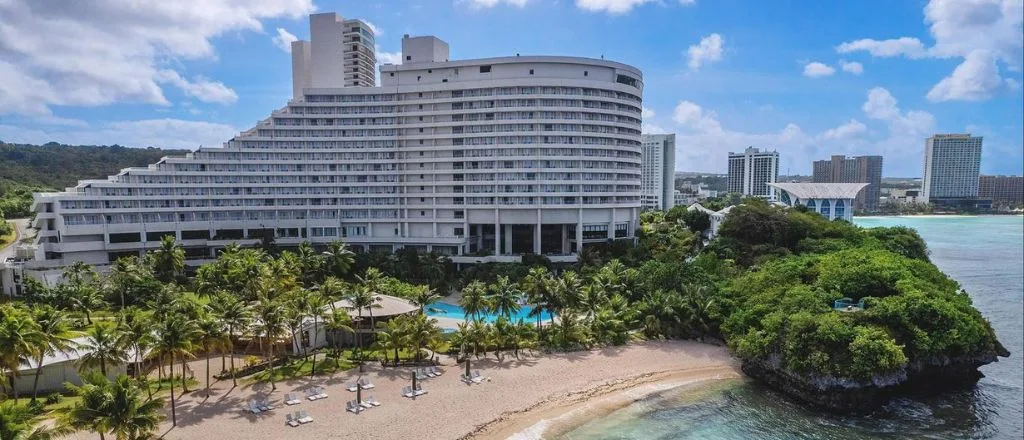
984,253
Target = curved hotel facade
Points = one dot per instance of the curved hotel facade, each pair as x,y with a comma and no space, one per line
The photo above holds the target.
482,159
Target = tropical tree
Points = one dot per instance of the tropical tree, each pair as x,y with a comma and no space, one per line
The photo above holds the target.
19,338
424,296
474,299
136,328
235,315
80,290
338,258
422,330
338,321
55,336
389,336
316,306
103,348
311,265
212,336
174,338
504,297
19,422
117,407
270,323
539,288
168,260
364,298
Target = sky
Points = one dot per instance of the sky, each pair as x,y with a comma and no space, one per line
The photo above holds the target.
807,78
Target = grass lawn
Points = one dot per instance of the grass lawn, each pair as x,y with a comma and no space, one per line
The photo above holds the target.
300,366
159,389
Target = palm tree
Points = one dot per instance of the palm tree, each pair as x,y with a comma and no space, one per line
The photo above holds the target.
424,296
504,298
311,265
211,336
19,337
339,258
56,336
422,331
116,407
389,337
338,321
174,337
474,299
235,315
567,291
136,330
167,261
80,290
316,306
363,297
538,287
18,422
271,316
103,348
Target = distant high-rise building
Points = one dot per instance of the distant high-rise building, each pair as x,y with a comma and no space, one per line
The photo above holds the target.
1002,190
340,53
952,163
658,171
751,171
860,169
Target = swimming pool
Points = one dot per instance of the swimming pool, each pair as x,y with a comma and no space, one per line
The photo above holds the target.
445,310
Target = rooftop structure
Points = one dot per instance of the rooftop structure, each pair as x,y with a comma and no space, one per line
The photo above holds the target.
831,200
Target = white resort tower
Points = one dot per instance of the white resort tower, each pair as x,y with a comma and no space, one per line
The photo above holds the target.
483,159
659,171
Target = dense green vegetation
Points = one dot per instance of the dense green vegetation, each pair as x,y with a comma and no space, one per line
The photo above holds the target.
28,168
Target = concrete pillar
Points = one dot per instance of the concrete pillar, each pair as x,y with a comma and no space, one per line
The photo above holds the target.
536,235
579,233
611,225
508,238
565,239
497,235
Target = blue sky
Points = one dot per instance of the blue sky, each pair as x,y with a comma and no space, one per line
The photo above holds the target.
809,79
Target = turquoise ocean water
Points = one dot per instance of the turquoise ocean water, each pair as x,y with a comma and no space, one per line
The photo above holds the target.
985,254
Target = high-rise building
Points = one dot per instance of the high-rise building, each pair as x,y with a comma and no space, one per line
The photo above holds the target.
860,169
493,157
658,166
340,53
751,171
1002,190
952,163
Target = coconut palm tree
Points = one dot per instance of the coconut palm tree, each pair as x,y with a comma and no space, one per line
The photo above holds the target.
80,290
136,328
212,336
424,296
474,299
103,348
389,337
19,337
422,330
362,298
339,258
18,422
504,297
117,407
338,321
316,306
235,315
174,338
270,323
311,265
56,336
168,260
537,284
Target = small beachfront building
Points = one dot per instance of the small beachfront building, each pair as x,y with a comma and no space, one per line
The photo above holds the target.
61,368
387,308
832,200
716,217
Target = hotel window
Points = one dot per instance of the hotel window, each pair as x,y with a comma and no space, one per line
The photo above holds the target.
485,69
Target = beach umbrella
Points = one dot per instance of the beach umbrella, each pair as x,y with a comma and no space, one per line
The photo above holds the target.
414,381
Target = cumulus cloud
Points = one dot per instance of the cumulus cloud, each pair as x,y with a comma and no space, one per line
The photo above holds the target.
851,67
163,133
646,113
284,40
980,32
851,129
484,4
708,51
100,52
200,88
881,105
376,30
609,6
817,70
388,57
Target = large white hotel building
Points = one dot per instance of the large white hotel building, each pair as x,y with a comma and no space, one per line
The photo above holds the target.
483,159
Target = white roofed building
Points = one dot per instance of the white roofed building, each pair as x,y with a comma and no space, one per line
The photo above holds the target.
831,200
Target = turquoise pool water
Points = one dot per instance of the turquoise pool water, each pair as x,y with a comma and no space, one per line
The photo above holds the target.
445,310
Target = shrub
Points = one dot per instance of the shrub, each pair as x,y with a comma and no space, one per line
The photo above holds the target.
54,398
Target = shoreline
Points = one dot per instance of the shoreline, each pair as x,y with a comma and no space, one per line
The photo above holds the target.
563,412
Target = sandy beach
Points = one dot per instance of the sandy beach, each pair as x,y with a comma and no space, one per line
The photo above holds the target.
514,397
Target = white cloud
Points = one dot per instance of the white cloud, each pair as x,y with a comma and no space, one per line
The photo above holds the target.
851,67
646,113
1012,84
816,70
652,129
163,133
976,79
101,52
982,32
905,46
610,6
881,105
851,129
59,121
708,51
483,4
692,117
200,88
687,2
388,57
376,30
284,40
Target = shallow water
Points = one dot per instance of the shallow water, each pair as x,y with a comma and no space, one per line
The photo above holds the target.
985,254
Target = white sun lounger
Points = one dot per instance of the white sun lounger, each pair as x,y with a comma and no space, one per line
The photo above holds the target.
352,386
437,371
365,404
373,401
321,393
264,405
251,406
476,378
291,399
352,406
365,384
419,392
290,420
304,417
311,394
407,392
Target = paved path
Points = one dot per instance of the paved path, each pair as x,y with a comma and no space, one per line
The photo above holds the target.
20,228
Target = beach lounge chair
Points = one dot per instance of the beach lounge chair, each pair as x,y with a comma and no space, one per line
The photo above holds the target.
251,406
407,392
373,401
319,392
437,371
290,420
476,378
419,392
311,394
352,386
291,399
365,384
352,406
264,405
304,417
365,404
